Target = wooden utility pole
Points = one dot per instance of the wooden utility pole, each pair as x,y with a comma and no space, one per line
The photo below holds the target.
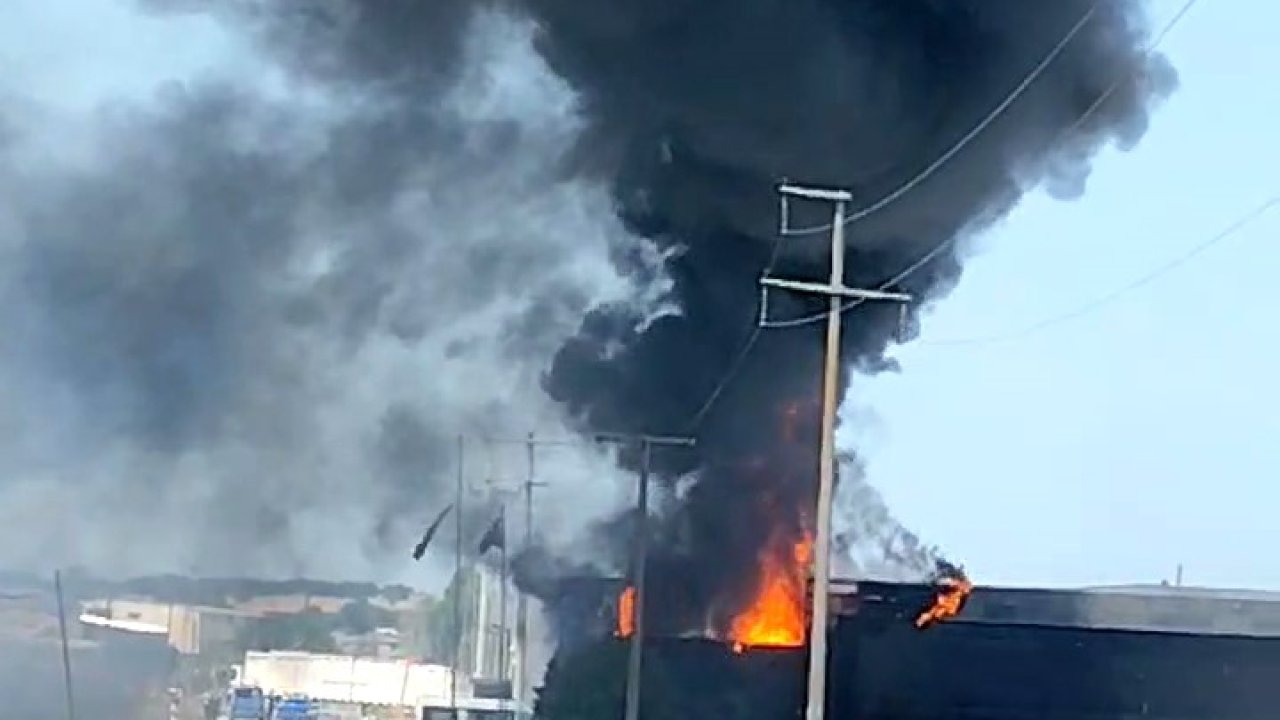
836,291
639,556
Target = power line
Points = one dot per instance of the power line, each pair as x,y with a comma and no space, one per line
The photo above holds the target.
1120,78
1102,300
753,335
1073,127
744,350
964,141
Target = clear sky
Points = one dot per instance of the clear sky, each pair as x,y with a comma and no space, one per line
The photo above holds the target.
1112,447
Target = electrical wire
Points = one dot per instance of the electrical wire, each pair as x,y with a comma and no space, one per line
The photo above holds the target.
744,350
753,335
1106,299
1070,129
964,141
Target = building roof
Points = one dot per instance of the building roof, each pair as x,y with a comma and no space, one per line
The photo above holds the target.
132,626
1136,608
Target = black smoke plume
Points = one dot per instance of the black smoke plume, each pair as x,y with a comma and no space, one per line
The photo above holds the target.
698,108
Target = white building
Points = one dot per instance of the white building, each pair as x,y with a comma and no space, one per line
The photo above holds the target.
345,680
490,647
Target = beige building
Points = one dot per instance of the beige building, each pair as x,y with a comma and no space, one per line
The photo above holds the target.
190,629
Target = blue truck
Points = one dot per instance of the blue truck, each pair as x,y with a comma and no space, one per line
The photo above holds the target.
246,703
295,708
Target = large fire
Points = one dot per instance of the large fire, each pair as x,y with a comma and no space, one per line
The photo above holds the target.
952,593
626,613
778,614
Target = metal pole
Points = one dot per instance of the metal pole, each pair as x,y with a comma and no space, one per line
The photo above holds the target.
503,652
66,652
640,545
457,583
817,691
522,602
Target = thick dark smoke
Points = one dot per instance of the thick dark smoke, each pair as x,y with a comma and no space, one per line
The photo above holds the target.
699,107
251,310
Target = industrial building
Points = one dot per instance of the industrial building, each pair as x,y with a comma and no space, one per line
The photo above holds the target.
1156,653
1149,652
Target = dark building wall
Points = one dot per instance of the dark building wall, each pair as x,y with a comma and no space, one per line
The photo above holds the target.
976,668
882,668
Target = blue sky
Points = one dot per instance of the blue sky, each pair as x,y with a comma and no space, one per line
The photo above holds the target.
1114,446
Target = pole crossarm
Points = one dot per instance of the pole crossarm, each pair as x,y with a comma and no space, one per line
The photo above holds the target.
809,192
611,437
839,290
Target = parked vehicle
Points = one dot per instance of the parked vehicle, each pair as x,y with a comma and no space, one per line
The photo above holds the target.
297,707
247,703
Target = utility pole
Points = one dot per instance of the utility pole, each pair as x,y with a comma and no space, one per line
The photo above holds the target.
503,648
639,556
66,651
836,291
646,444
522,601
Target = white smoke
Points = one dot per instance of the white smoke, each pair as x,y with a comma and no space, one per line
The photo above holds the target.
288,484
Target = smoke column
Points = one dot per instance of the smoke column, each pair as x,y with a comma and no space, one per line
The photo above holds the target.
250,310
698,109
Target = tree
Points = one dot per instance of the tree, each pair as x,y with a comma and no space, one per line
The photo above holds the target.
443,628
359,617
310,632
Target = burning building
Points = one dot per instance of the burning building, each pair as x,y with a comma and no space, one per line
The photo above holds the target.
697,157
1009,654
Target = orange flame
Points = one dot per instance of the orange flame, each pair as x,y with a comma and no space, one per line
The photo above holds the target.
626,613
778,614
952,593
